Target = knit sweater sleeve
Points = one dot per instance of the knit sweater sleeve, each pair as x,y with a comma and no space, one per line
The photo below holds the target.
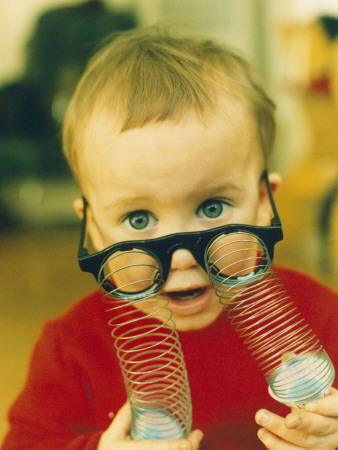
54,409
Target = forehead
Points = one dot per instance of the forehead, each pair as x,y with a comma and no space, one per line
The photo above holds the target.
172,152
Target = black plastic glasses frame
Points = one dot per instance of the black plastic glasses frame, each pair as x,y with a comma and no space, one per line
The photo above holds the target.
162,248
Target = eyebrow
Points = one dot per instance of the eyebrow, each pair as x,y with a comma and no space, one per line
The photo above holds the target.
125,202
212,191
215,190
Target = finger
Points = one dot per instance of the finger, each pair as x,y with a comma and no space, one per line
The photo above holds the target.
273,442
195,438
327,406
311,423
120,426
276,425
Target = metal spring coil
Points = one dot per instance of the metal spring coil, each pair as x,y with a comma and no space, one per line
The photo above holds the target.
152,365
292,359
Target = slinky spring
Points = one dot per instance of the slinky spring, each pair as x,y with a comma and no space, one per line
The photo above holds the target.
295,365
151,361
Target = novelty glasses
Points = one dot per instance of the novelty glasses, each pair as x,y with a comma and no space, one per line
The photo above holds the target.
132,270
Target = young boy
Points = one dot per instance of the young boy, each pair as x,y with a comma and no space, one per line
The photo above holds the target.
170,133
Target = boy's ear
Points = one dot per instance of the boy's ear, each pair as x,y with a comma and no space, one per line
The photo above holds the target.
264,210
78,207
275,180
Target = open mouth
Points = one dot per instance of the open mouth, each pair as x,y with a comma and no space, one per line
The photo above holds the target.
186,295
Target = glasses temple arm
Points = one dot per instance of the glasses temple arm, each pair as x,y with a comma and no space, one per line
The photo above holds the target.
82,251
275,221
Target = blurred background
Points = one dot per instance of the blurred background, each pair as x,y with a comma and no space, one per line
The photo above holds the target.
44,46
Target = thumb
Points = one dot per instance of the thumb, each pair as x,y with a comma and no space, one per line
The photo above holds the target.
120,426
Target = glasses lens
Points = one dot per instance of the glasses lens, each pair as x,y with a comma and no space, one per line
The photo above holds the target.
236,257
129,272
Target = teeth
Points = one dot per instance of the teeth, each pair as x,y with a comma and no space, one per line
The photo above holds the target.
186,295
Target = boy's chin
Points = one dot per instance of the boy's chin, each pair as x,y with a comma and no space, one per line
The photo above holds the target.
194,323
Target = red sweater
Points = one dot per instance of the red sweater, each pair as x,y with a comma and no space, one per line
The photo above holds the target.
74,379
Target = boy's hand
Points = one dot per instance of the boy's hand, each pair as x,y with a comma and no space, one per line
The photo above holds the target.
315,426
117,437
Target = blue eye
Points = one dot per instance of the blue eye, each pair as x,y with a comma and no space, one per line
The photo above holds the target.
212,209
139,220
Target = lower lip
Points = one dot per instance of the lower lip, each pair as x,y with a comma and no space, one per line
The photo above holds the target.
193,306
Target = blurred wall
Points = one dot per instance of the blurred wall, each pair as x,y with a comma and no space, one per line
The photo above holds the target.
241,22
17,19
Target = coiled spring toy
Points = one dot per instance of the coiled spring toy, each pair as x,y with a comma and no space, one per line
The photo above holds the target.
294,363
149,353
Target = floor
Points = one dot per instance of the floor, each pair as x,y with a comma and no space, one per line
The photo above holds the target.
40,278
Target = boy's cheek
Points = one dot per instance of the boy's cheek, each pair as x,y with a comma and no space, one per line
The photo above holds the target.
263,213
96,237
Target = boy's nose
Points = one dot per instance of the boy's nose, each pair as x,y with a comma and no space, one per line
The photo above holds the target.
182,259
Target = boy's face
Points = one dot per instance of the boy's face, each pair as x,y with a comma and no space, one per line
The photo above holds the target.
176,177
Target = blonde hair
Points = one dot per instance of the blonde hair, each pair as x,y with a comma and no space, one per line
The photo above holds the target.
160,73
